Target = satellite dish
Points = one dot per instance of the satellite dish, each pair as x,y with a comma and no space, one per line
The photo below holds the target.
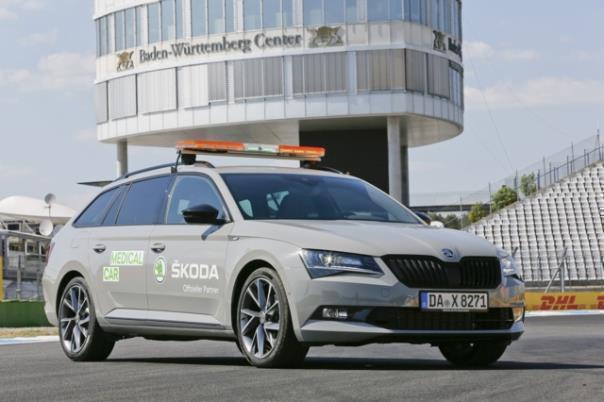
50,199
46,227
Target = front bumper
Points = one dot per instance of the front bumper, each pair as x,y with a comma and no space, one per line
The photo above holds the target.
386,293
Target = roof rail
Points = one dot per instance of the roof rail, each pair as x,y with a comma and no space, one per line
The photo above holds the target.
315,166
174,167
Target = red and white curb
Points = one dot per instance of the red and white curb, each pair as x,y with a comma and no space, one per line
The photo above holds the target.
563,313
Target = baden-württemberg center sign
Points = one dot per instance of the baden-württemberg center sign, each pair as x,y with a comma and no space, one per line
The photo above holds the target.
366,78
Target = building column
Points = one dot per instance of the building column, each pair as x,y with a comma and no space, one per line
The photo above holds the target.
398,161
122,158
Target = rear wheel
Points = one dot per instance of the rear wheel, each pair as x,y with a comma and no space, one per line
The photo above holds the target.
473,354
264,329
81,337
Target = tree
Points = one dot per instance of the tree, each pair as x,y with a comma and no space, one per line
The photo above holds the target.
528,184
450,221
478,212
503,197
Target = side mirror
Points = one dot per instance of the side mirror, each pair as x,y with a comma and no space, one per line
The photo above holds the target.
203,214
424,217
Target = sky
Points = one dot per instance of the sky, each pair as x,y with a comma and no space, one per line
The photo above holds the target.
533,75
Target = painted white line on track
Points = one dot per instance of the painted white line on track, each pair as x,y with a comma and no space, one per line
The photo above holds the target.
563,313
23,340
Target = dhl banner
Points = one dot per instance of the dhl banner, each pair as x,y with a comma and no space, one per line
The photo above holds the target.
539,301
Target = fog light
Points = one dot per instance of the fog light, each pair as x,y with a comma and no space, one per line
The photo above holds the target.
518,313
335,313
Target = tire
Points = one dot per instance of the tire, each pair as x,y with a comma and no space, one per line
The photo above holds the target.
476,354
263,323
82,339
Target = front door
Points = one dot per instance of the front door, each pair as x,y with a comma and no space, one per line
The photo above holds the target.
187,282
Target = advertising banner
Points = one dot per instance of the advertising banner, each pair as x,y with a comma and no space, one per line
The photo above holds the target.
538,301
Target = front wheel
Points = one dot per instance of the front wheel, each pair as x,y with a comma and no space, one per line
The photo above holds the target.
473,354
82,339
264,329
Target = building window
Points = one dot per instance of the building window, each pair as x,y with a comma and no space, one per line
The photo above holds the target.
198,17
335,11
97,28
180,18
103,34
353,11
110,33
258,78
271,13
140,26
377,10
413,10
252,15
288,12
120,31
438,76
456,86
320,73
415,63
396,10
130,28
217,82
168,20
230,15
157,91
102,114
216,16
380,70
122,97
313,12
153,23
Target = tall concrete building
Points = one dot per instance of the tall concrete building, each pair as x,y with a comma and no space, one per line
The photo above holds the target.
368,79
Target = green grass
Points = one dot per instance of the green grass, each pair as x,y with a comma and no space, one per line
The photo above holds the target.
27,332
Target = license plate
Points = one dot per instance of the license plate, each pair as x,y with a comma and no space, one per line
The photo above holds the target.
454,301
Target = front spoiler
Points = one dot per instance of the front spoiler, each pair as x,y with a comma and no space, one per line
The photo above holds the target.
319,333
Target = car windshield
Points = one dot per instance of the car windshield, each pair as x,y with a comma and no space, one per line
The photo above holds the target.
270,196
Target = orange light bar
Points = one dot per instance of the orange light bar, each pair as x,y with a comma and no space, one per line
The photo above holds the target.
257,150
210,146
310,152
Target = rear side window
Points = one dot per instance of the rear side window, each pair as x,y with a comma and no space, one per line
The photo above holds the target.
111,215
94,214
144,202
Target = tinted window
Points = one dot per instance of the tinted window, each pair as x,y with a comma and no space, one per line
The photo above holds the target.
310,197
191,191
144,202
111,215
94,214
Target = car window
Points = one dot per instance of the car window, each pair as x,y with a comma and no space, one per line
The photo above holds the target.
312,197
111,215
144,202
191,191
93,215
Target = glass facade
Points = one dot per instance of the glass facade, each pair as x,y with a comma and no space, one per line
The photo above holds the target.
167,20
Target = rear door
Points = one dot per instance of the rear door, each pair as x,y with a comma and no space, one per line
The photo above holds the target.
119,248
188,276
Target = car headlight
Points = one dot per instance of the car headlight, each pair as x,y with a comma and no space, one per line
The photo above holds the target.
508,265
321,263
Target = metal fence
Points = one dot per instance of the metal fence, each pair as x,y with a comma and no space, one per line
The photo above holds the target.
548,171
23,261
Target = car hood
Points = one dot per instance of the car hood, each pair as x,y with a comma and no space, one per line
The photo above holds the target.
369,238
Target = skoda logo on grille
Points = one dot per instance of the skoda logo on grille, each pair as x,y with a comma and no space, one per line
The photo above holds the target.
448,253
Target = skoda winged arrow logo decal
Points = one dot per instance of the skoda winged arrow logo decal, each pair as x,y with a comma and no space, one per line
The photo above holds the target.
448,253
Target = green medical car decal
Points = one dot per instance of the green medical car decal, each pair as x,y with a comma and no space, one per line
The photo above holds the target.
127,258
111,274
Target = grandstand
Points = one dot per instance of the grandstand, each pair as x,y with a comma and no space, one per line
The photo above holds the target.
561,223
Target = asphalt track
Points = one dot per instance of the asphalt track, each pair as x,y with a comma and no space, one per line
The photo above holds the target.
558,359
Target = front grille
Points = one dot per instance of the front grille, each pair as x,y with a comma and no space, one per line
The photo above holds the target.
414,319
431,273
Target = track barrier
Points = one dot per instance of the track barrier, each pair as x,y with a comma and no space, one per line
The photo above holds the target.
539,301
20,314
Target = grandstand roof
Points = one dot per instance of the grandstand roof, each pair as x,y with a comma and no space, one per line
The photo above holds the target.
33,210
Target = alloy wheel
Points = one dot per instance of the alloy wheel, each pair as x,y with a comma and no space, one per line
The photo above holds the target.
259,318
75,319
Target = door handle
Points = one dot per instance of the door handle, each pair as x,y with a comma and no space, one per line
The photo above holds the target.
158,248
99,248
